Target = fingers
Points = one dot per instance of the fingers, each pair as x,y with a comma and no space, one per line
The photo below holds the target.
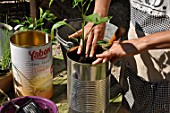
76,34
80,48
99,60
88,43
104,57
96,34
93,47
105,54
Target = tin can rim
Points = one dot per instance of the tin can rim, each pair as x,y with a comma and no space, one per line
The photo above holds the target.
37,31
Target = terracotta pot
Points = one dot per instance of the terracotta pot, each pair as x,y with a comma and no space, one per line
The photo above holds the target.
6,81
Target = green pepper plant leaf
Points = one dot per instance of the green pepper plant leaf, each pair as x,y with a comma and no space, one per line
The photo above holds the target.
96,19
83,6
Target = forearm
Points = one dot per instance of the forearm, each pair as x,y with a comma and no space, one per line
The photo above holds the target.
160,40
102,7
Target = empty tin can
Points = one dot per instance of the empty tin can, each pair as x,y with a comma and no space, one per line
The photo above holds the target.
31,54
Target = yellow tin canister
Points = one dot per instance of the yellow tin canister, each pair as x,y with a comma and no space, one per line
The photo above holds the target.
31,54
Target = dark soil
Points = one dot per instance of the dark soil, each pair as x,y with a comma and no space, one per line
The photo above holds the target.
3,72
72,54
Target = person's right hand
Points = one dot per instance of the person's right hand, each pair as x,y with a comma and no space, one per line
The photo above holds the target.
96,33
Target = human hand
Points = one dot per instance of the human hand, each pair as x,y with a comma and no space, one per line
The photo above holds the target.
96,33
117,51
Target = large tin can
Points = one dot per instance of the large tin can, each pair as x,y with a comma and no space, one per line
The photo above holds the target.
88,86
31,54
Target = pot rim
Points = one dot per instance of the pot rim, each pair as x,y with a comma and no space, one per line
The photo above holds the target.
6,75
50,102
31,31
85,64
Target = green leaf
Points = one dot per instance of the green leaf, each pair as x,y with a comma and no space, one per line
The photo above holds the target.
51,1
47,12
96,19
40,22
5,59
44,15
76,2
76,39
29,20
31,26
16,21
57,25
45,30
41,12
51,16
117,99
22,29
102,43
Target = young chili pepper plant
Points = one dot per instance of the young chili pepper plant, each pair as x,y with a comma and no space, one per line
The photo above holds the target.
83,6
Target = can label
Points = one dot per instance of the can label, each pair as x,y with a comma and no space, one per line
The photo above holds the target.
32,69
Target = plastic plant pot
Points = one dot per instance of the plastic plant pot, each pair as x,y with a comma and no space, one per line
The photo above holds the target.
45,105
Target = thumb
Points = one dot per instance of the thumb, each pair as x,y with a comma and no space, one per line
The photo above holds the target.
76,34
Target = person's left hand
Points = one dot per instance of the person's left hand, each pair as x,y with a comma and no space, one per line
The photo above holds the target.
113,53
118,50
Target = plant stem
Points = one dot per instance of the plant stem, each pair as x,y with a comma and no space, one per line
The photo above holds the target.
87,7
83,38
83,24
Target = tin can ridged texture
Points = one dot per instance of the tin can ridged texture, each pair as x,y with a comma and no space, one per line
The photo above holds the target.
88,87
32,65
88,96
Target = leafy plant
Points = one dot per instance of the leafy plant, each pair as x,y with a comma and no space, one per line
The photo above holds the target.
29,24
83,6
5,60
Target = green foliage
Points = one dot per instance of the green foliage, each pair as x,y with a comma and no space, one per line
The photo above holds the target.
29,24
57,25
5,60
83,6
95,18
51,1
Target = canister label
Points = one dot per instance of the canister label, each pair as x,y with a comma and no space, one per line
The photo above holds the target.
32,69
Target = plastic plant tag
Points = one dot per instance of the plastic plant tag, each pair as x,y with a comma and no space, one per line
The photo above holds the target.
109,31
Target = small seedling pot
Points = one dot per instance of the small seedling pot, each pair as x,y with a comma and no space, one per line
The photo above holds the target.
6,81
